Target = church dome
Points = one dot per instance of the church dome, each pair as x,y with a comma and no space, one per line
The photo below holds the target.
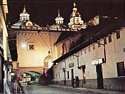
59,20
76,21
24,16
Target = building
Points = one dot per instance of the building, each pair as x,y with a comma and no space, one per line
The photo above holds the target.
76,22
34,48
95,56
59,23
25,22
5,69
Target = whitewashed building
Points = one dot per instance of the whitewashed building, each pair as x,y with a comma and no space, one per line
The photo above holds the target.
96,56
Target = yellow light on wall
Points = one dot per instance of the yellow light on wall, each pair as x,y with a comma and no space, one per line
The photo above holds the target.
23,45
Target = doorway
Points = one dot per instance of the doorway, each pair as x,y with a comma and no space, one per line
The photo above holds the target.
72,77
99,76
83,72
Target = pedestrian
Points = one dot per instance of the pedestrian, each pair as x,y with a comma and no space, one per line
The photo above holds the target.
15,87
72,82
77,81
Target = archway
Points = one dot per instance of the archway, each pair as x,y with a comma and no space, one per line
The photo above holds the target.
30,77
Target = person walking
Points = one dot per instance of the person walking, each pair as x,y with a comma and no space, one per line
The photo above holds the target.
77,81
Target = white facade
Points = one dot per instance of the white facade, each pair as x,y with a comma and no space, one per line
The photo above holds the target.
115,53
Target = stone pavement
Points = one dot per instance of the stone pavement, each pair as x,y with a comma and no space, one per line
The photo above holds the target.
93,91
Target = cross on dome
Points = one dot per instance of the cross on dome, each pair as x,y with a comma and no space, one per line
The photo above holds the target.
24,9
58,13
74,4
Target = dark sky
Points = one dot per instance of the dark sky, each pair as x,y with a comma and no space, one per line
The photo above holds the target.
44,11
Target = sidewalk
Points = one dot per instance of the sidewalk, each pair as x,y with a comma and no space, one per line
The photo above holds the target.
88,90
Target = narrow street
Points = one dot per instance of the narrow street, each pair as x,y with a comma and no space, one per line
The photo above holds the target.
56,89
62,47
37,89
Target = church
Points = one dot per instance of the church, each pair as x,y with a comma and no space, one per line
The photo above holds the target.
35,50
34,44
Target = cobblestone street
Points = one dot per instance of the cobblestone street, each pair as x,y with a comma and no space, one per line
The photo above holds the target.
36,89
55,89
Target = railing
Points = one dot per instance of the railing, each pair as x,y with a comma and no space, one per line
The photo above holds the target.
44,29
17,88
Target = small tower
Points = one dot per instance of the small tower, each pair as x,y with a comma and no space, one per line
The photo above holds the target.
59,20
24,16
76,22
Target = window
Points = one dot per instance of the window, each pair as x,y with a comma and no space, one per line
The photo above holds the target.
93,46
56,75
31,47
105,40
123,49
67,74
121,69
110,38
117,34
64,49
99,43
89,48
59,75
85,51
72,44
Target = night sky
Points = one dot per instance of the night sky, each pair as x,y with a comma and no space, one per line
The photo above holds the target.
43,12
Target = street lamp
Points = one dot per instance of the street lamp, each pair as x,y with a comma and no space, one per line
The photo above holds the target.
77,56
103,44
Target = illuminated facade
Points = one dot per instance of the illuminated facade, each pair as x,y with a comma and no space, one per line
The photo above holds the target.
101,53
24,16
76,22
33,46
59,22
25,22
